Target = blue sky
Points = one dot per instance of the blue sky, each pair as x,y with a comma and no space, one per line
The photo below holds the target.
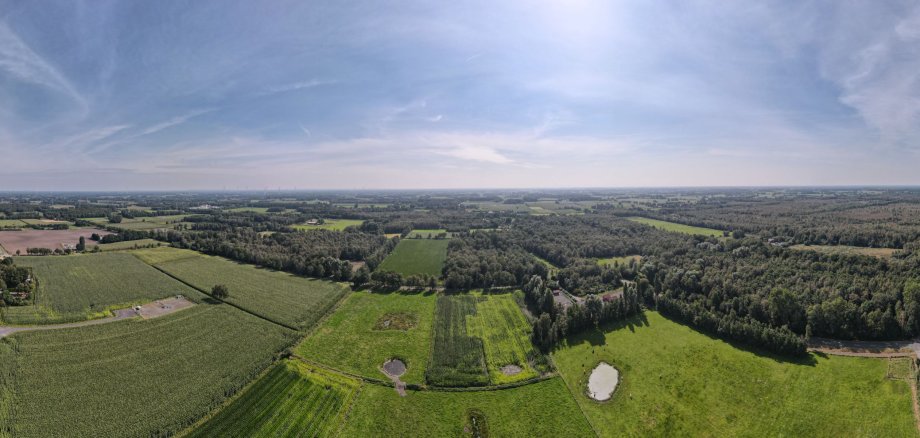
315,95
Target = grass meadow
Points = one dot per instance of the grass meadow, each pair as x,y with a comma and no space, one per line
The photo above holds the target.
290,300
352,338
417,256
79,287
142,223
675,381
505,333
679,228
135,377
128,244
427,234
457,356
881,253
292,399
542,409
331,224
622,261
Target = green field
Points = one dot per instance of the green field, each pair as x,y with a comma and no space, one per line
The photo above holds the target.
128,244
293,399
417,256
543,409
457,356
331,224
675,381
679,228
248,210
622,261
881,253
427,234
294,301
505,333
352,338
78,287
133,377
11,223
142,223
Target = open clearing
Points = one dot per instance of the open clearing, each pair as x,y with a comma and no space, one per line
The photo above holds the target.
331,224
542,409
293,301
680,228
349,339
427,234
134,377
622,261
881,253
87,286
417,256
14,241
293,399
142,223
128,244
675,381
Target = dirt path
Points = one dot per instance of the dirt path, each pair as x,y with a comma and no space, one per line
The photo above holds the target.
147,311
878,349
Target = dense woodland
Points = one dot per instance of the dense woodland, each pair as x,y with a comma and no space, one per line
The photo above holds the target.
747,287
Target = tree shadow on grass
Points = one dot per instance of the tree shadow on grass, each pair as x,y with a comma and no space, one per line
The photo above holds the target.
805,360
597,336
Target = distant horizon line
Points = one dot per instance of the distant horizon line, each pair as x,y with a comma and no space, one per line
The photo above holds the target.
472,189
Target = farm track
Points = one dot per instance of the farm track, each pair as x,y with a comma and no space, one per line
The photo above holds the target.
208,293
120,314
877,349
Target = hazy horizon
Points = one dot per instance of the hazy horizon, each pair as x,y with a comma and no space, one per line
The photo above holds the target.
215,95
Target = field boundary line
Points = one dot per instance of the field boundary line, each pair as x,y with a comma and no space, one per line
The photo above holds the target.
417,387
217,410
224,302
332,309
575,399
351,407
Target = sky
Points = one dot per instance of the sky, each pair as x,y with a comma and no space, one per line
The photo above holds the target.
185,95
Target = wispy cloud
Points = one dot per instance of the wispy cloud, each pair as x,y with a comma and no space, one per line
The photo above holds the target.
20,61
294,86
174,121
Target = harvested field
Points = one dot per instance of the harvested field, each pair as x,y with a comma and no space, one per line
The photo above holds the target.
293,399
134,377
349,340
14,241
88,286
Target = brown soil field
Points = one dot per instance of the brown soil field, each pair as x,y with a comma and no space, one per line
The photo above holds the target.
52,239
